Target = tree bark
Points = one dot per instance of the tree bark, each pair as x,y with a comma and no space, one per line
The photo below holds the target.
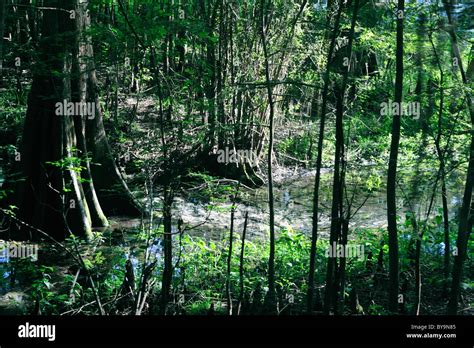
338,185
392,169
442,170
314,233
464,216
168,250
229,261
52,197
79,79
241,264
112,190
270,298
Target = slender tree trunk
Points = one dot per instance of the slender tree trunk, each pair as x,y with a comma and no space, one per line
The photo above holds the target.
392,168
241,265
421,153
79,78
220,77
271,295
229,261
209,15
338,185
464,216
447,242
442,170
340,283
419,238
167,249
167,202
314,233
464,231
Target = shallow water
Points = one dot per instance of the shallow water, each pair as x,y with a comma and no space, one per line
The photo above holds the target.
293,208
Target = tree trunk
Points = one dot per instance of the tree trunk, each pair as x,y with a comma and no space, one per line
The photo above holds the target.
270,299
314,233
56,197
52,196
167,249
79,88
442,170
229,261
338,185
464,216
392,168
112,190
241,265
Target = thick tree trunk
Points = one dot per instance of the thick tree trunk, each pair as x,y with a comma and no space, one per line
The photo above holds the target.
51,197
56,197
112,190
79,78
